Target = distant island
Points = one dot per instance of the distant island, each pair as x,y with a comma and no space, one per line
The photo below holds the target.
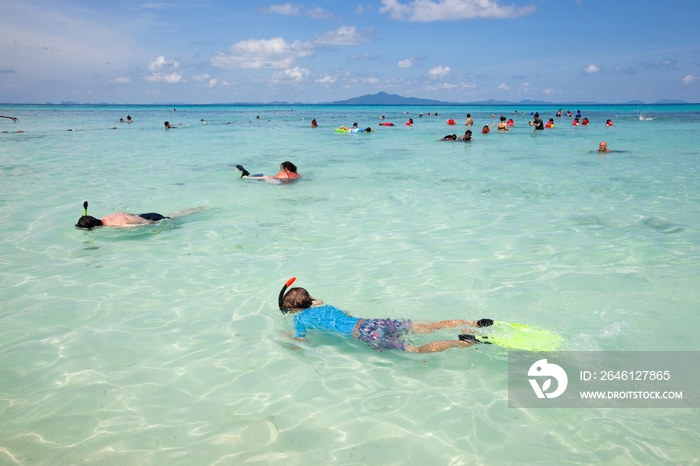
383,98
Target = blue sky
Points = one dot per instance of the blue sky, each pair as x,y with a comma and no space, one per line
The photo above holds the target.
206,51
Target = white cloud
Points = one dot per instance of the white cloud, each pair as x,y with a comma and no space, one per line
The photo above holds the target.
319,13
201,77
439,71
451,10
122,80
295,74
265,53
690,79
326,80
503,87
345,35
161,63
371,80
407,63
170,78
164,71
590,69
551,91
212,83
286,9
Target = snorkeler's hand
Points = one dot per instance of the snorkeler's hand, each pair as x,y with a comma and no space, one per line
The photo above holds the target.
484,323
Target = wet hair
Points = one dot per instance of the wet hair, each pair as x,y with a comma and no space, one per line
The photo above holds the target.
167,124
368,130
503,118
354,125
88,222
289,166
468,132
297,298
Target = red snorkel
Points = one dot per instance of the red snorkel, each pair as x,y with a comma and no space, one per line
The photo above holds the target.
280,300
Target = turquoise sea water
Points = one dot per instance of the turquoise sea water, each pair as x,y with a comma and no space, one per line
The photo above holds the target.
164,345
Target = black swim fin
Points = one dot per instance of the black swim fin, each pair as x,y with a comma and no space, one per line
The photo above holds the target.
243,171
468,337
484,323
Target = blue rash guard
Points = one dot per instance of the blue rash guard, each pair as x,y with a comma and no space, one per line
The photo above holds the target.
327,318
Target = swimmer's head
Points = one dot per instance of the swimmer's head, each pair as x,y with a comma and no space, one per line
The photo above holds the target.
354,125
297,298
289,166
88,222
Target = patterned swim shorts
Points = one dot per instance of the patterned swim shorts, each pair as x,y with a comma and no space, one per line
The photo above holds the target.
383,334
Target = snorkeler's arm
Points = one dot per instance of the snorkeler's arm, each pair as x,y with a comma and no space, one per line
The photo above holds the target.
292,336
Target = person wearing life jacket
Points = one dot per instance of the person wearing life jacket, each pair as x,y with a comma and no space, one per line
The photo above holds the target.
451,121
511,123
550,123
585,121
409,122
575,122
609,123
314,124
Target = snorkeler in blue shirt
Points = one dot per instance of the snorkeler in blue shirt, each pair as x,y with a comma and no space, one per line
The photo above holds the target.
379,334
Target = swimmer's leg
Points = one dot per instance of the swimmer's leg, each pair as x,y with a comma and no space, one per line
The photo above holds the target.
152,216
437,346
453,323
187,211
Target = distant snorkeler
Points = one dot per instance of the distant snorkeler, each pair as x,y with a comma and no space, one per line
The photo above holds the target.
288,172
117,220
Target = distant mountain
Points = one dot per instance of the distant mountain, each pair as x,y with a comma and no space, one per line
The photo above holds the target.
382,98
666,102
635,102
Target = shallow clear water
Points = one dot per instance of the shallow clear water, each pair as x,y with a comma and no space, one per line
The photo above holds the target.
164,345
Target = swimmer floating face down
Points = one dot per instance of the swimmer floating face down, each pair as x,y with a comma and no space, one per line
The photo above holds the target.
379,334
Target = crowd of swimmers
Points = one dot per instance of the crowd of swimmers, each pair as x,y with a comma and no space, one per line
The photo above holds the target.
310,314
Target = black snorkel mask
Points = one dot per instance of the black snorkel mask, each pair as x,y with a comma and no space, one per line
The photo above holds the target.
280,300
